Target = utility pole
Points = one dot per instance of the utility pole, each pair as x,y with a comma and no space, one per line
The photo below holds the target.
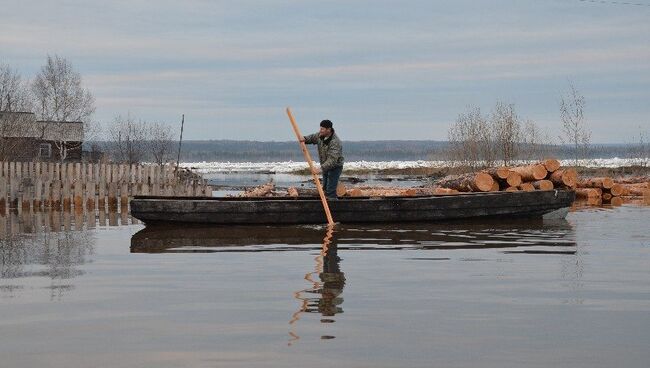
180,142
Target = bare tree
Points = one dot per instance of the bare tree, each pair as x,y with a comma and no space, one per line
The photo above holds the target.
535,143
128,140
639,151
470,142
60,97
14,101
507,132
160,142
59,94
574,126
14,93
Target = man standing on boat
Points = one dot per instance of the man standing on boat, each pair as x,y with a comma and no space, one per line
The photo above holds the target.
330,153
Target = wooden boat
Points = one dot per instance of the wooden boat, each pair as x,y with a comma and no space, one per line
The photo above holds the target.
309,210
556,236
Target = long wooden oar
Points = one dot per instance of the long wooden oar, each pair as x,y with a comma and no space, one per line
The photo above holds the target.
305,152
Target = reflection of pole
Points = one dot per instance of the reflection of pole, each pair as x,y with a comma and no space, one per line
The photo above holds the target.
316,285
180,142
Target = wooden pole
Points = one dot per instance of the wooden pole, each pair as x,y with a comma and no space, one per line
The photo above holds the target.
78,195
305,152
112,197
90,198
67,202
38,193
180,142
56,195
124,196
3,194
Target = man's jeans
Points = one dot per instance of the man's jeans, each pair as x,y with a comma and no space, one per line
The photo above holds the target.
331,180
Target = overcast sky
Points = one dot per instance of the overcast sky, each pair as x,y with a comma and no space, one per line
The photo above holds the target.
377,69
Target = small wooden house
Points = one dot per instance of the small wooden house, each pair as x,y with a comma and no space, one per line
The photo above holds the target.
23,138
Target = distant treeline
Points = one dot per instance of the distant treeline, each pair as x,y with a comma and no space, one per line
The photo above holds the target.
255,151
228,150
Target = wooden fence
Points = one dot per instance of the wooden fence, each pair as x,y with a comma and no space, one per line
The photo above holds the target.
44,185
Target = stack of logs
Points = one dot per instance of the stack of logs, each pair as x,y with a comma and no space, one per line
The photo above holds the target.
598,191
544,175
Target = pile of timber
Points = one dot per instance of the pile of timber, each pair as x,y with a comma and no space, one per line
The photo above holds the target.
545,175
606,190
264,190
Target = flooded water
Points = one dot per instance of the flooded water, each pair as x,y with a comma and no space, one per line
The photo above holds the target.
238,180
85,291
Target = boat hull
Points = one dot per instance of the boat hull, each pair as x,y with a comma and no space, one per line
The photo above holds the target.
349,210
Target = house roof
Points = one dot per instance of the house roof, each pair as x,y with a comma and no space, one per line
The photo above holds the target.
25,125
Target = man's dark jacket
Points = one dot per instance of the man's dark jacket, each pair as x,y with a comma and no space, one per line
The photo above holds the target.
330,150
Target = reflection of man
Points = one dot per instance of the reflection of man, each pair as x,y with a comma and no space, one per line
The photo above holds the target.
330,153
333,282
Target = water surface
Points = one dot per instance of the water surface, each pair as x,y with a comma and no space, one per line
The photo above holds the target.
83,291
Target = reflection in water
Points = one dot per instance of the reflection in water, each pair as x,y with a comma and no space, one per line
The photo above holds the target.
47,245
324,295
537,235
527,238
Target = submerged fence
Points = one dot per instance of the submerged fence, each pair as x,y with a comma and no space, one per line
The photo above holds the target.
45,185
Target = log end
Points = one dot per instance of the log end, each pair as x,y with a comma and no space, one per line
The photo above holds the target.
503,172
608,183
484,181
495,187
527,187
616,190
551,164
616,201
544,185
340,190
513,179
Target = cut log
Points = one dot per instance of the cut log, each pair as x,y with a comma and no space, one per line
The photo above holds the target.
495,186
513,179
551,164
259,191
409,192
604,183
588,193
595,201
646,196
564,178
637,180
616,201
381,192
292,192
633,190
505,176
526,187
475,182
512,189
616,190
354,192
340,189
543,185
531,172
499,172
445,191
607,197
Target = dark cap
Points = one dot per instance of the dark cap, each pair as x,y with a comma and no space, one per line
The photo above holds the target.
326,124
